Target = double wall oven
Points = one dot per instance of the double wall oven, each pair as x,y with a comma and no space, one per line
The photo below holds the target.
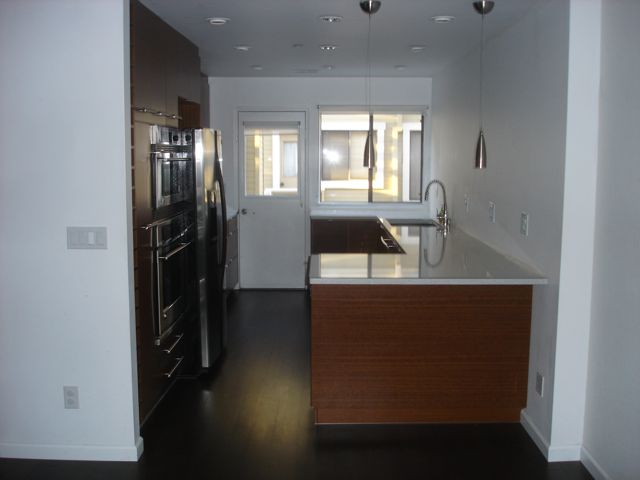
172,233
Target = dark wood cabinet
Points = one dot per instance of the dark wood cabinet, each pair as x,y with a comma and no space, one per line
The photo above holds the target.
351,235
419,353
166,66
148,61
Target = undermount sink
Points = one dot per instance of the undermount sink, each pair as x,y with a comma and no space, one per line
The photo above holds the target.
413,222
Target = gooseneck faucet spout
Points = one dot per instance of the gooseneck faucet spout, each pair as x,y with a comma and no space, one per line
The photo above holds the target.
443,215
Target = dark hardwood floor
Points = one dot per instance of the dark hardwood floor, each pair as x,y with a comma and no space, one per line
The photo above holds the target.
251,419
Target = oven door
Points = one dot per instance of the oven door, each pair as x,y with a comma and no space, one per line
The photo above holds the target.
173,261
172,178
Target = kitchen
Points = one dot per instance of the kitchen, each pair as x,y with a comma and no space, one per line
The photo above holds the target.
538,106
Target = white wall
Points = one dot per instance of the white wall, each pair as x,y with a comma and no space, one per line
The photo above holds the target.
576,266
66,316
229,95
525,104
612,420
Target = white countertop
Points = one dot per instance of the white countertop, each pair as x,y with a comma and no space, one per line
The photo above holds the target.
430,259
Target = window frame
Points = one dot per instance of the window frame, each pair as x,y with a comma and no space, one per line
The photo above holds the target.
422,110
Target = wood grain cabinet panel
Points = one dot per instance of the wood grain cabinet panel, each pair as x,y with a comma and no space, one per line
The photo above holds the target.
426,353
167,66
149,76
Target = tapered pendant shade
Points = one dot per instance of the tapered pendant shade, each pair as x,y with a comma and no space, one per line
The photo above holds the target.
483,8
481,152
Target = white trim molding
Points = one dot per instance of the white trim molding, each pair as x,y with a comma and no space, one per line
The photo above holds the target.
73,452
594,467
534,433
561,453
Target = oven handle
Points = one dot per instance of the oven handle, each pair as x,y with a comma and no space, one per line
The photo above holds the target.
173,159
174,344
174,251
171,372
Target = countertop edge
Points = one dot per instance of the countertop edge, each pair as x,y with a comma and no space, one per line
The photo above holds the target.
428,281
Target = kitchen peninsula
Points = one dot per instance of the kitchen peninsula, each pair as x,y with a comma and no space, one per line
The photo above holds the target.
439,333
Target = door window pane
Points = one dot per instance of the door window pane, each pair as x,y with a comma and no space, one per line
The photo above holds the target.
271,161
397,175
335,155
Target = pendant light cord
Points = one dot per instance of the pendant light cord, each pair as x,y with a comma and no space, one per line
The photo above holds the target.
481,71
368,79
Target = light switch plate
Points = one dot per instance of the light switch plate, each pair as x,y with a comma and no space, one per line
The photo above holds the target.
466,202
87,238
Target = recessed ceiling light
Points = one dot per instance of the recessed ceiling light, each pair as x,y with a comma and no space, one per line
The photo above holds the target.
243,48
331,18
442,19
400,67
328,67
257,68
217,21
417,48
328,48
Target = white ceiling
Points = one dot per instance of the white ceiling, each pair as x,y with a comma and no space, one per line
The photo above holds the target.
272,27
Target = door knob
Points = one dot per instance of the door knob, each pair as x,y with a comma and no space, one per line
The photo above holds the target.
243,211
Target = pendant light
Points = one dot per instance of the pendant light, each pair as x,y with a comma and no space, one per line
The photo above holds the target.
370,7
483,8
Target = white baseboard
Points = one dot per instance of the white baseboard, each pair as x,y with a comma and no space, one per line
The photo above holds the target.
73,452
594,467
565,453
534,433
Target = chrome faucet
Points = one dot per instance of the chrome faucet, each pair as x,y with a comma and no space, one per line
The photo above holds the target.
443,215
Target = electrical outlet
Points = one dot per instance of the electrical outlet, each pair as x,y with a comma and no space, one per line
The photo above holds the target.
492,212
524,224
539,384
71,397
466,202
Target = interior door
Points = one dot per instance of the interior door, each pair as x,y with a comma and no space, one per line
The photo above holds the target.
271,201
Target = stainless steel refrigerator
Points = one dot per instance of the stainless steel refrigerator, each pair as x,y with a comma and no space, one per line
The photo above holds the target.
211,246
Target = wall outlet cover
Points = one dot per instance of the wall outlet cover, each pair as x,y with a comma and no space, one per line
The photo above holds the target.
524,224
71,397
539,384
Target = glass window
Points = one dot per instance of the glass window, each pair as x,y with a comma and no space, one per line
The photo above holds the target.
271,161
397,173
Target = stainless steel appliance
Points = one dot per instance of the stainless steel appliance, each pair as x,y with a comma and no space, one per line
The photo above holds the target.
172,244
211,248
171,159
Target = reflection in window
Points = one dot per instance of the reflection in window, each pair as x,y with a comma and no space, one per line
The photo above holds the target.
397,176
271,161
